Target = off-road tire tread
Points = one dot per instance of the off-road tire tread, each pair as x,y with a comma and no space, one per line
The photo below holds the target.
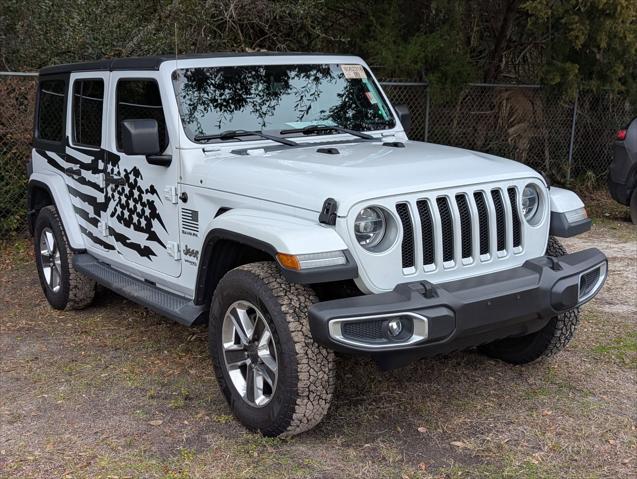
316,379
81,288
551,339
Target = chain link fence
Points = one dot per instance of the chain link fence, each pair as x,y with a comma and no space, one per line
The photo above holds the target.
17,95
569,141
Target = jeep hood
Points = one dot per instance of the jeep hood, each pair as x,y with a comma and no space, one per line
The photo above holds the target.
304,177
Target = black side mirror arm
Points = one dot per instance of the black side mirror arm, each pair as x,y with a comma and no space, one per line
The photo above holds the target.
159,160
404,116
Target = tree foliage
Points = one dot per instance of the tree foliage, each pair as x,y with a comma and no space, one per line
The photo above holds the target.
570,44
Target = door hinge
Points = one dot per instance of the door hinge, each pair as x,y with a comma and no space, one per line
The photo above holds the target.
102,226
172,248
170,193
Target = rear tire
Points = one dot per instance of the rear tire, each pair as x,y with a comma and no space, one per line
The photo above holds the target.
633,207
63,286
294,375
546,342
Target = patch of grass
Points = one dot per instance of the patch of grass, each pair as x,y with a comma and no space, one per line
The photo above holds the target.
222,418
524,470
537,393
600,206
15,253
622,349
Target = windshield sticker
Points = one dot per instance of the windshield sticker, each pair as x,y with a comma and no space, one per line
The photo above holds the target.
354,72
303,124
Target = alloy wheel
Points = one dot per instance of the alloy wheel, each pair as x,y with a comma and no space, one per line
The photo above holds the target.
250,353
50,260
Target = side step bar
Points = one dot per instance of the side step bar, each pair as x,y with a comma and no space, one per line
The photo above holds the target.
167,304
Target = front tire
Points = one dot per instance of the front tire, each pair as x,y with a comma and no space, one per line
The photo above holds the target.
544,343
633,207
63,286
276,379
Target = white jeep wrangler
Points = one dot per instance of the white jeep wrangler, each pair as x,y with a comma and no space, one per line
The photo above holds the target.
278,198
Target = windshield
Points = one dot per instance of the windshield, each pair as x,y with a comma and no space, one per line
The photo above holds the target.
279,97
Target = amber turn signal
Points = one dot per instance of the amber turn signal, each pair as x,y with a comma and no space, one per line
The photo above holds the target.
289,261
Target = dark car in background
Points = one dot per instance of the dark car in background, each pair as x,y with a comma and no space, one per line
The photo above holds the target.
622,178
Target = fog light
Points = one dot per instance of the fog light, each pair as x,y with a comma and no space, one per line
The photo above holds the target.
395,327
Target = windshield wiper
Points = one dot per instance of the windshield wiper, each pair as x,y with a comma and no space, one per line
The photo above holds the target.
311,129
236,134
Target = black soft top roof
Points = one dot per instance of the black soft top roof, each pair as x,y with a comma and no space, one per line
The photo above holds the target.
153,62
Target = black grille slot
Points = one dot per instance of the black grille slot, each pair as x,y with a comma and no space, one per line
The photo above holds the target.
447,228
499,219
517,226
363,330
465,225
483,221
427,232
408,235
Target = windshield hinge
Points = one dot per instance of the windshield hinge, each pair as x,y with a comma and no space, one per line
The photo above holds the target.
170,193
328,212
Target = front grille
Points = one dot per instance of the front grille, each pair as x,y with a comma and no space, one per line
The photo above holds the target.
467,227
447,228
408,235
427,224
499,219
517,225
483,221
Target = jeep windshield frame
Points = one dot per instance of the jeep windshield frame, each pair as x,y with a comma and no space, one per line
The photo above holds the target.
279,98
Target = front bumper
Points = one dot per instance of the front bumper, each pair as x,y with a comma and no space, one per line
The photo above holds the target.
460,314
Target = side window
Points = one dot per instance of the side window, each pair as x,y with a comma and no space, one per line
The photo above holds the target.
88,103
140,99
51,110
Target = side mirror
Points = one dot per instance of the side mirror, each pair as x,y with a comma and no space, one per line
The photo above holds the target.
404,116
140,137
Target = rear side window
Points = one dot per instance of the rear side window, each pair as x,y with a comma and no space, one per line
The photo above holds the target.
51,110
88,103
140,99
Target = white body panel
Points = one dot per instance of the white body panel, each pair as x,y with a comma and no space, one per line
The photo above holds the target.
564,200
286,234
61,197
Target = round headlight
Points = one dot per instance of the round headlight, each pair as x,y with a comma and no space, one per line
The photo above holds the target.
370,226
530,202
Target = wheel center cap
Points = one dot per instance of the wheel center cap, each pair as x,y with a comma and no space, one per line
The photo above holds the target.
251,351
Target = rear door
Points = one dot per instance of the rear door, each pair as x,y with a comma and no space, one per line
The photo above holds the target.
84,157
142,210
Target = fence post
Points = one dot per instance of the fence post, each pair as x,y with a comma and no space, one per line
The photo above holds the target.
427,113
570,147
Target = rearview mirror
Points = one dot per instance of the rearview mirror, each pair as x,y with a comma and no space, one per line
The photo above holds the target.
140,137
404,116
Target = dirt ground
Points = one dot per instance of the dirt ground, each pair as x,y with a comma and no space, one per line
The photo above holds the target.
115,391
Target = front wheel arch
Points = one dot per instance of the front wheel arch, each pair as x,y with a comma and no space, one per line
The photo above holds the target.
223,251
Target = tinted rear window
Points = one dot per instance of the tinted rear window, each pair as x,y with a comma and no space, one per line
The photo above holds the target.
88,100
51,110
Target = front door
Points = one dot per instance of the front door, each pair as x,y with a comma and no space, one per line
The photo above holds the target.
141,198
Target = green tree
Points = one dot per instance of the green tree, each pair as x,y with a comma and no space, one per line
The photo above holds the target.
589,44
